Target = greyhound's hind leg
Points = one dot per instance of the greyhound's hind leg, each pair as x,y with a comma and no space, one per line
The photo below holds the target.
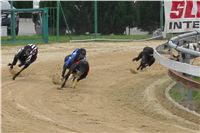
75,83
144,66
71,76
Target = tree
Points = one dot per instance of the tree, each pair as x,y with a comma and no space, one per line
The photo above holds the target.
113,16
23,4
149,15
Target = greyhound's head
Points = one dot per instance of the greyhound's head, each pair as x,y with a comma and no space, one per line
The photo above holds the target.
82,51
27,50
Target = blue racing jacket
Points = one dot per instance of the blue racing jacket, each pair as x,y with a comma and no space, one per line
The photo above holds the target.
71,58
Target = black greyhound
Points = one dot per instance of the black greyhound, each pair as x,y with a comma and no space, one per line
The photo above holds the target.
26,56
77,71
78,54
146,57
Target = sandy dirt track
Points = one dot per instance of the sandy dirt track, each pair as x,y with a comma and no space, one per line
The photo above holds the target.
110,100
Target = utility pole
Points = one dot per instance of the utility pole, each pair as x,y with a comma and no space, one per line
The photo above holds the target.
57,20
13,24
95,19
161,14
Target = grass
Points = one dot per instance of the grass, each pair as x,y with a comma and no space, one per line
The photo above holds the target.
196,96
22,40
196,99
197,79
176,94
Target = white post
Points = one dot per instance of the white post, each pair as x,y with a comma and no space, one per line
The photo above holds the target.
36,3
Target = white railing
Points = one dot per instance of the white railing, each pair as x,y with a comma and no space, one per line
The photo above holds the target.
175,65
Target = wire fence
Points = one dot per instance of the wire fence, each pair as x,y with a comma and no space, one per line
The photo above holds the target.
34,27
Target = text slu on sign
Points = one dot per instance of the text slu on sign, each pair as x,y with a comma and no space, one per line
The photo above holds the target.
182,16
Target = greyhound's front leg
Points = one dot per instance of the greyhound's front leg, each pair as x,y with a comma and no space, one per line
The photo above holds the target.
14,77
66,78
64,83
64,70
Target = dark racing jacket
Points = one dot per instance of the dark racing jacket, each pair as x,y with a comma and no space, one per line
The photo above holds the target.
27,54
